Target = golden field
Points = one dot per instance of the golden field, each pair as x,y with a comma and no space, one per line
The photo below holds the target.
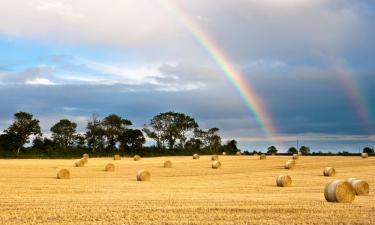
242,191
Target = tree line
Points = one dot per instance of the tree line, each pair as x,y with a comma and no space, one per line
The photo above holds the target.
174,134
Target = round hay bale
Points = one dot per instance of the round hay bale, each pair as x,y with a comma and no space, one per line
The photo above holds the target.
238,153
85,156
262,156
143,175
137,157
63,174
214,157
360,187
117,157
283,181
110,167
329,172
216,164
339,191
290,164
167,164
364,155
295,156
195,156
224,153
85,160
79,163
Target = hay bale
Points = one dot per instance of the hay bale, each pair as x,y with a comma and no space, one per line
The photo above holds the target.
329,172
85,160
238,153
295,156
339,191
364,155
117,157
216,164
80,163
262,156
283,181
110,167
214,157
195,156
360,187
137,157
290,164
63,174
224,153
143,175
167,164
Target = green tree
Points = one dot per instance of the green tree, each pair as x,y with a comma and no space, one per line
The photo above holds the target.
95,134
170,127
231,147
272,150
114,126
292,150
368,150
209,138
24,126
193,144
132,139
304,150
63,133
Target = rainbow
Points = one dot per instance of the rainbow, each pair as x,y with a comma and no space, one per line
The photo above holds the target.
354,94
250,98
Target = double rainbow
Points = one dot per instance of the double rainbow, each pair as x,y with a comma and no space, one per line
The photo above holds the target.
251,99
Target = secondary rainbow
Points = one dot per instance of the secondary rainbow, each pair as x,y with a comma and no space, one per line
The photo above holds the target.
251,99
353,91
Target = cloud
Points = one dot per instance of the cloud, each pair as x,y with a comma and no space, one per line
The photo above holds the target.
39,81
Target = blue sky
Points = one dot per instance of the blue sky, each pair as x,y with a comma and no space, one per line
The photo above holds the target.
69,59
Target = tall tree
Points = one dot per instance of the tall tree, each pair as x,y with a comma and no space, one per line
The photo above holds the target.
231,147
95,134
210,138
63,133
22,128
368,150
292,150
304,150
132,139
272,150
170,127
114,126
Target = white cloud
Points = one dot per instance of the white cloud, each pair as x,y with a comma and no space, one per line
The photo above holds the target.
39,81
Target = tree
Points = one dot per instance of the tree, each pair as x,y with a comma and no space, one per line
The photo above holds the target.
292,150
209,138
114,126
368,150
131,139
63,133
170,127
193,144
95,134
272,150
231,147
304,150
22,128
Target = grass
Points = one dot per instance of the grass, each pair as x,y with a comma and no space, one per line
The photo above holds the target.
242,191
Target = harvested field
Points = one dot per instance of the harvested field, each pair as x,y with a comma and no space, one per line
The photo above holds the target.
191,192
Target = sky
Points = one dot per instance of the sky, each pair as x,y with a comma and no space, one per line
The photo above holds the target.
309,63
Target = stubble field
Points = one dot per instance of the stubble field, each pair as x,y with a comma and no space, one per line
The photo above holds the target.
242,191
